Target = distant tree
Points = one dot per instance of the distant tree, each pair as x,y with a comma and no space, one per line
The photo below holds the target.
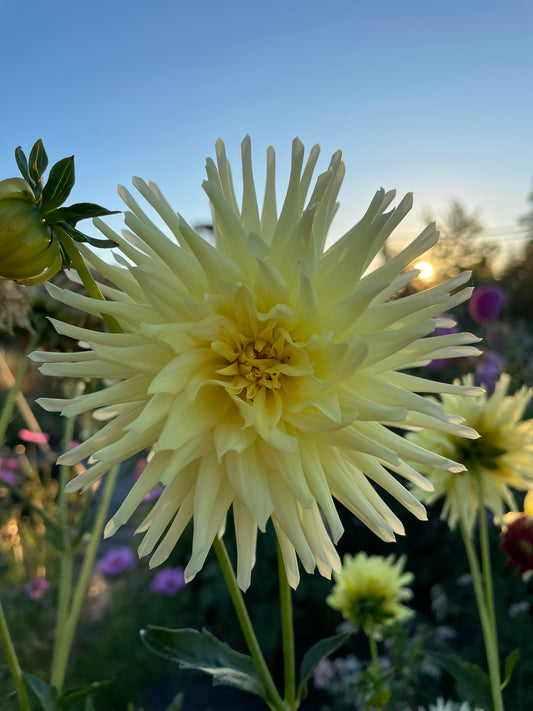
527,219
461,245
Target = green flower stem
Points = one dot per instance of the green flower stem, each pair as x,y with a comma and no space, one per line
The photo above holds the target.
13,663
11,398
374,658
67,559
485,559
287,631
65,642
489,639
86,277
276,702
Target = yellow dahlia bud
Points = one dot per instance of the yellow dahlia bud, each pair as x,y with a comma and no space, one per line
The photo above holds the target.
28,252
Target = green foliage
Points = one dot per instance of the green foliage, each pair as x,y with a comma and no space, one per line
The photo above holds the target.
50,195
200,650
314,656
472,682
49,700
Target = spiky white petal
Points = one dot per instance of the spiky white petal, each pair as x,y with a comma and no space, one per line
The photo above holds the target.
264,367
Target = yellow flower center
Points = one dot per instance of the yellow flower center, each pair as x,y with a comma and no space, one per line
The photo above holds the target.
256,362
259,364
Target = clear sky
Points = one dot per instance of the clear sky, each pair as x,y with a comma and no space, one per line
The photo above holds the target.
434,97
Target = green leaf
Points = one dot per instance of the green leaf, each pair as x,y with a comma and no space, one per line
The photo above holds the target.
176,704
78,236
200,650
79,692
59,184
79,211
89,704
22,163
316,654
38,161
472,682
45,693
510,663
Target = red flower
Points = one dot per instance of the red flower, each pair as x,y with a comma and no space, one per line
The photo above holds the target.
516,539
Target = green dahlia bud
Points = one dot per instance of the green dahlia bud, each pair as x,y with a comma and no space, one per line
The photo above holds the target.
36,231
29,253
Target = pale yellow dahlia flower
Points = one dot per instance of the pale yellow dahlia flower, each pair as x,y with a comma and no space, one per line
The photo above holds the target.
264,369
369,591
502,457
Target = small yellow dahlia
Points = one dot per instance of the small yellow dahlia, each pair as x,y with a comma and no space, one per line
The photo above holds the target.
369,591
265,368
502,457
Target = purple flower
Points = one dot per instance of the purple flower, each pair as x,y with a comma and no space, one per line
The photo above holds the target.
168,581
488,369
8,476
154,494
37,587
439,363
486,303
117,561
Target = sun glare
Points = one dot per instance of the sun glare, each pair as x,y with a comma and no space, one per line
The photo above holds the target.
426,270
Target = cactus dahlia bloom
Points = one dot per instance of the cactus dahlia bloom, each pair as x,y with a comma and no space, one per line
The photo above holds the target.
502,457
369,591
265,368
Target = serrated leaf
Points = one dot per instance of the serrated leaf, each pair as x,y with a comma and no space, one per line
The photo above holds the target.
79,692
200,650
472,682
45,693
79,211
510,663
22,163
38,161
314,656
59,184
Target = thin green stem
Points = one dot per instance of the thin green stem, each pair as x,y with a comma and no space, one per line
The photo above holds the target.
491,650
287,631
276,701
64,644
86,277
11,397
374,658
67,559
13,663
485,559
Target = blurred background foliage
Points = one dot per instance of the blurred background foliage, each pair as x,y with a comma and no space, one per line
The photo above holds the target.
108,646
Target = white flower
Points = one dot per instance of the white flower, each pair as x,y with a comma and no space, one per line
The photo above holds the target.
265,368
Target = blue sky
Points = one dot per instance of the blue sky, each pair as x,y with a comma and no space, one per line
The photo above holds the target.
431,97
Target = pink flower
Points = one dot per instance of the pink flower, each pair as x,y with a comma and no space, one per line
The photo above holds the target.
141,466
168,581
33,437
9,463
37,587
